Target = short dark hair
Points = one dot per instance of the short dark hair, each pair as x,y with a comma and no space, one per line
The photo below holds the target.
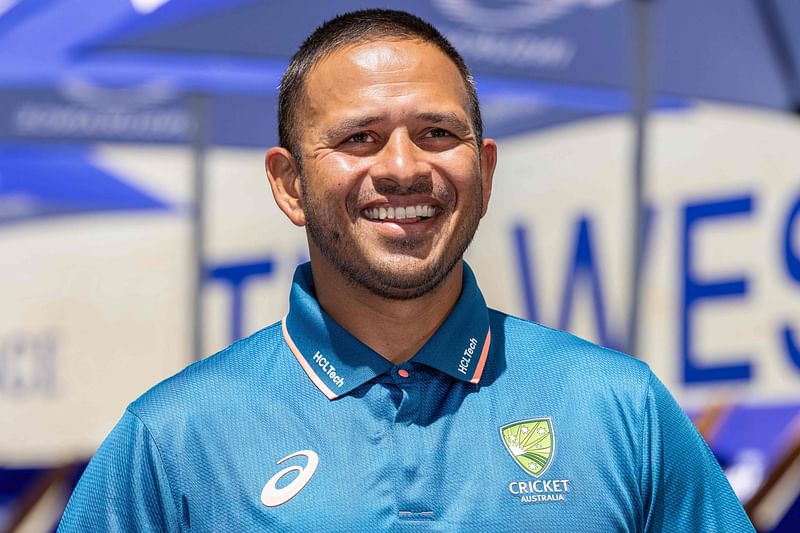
359,27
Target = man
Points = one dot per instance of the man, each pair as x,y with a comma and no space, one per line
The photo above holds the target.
390,398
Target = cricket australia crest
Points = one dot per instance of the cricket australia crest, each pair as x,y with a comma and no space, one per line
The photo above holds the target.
531,443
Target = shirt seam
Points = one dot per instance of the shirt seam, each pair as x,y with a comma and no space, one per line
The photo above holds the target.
161,461
642,450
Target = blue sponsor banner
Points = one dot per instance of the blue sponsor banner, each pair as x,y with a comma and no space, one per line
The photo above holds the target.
83,112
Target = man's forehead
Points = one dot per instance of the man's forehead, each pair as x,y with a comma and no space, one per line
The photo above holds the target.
382,80
384,61
382,52
378,55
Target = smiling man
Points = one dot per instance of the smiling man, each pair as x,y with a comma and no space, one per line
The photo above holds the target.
387,172
390,398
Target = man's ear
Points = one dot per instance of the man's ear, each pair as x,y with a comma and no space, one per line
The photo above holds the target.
284,180
488,158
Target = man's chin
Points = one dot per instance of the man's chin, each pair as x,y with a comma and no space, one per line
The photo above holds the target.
400,280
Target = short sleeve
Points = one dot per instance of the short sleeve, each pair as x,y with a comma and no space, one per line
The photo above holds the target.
124,487
683,486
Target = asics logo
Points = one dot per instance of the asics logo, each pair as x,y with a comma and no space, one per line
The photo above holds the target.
272,496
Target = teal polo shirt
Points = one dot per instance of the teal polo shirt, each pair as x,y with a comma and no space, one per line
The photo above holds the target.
497,424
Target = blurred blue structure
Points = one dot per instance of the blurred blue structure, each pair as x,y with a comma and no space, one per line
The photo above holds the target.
696,51
41,181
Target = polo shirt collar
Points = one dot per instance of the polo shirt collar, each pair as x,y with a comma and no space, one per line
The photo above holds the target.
337,362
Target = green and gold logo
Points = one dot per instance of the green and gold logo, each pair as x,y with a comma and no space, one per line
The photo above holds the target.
531,443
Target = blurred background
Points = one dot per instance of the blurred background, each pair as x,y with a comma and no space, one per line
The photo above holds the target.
647,198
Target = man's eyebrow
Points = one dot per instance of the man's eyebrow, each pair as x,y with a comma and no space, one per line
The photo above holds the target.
448,119
348,125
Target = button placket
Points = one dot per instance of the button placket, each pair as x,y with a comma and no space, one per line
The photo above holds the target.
404,379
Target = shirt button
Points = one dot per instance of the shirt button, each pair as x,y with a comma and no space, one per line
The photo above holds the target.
403,373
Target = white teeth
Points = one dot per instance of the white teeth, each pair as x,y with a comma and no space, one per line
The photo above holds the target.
399,213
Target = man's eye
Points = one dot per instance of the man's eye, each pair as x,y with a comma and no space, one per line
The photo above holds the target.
360,138
438,132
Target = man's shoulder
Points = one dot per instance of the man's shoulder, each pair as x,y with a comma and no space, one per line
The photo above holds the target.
211,381
569,377
527,343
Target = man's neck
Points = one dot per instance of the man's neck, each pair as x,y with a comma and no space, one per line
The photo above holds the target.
396,329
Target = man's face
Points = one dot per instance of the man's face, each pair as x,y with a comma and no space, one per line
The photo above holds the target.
393,182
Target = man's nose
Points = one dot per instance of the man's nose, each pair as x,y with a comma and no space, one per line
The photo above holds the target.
400,161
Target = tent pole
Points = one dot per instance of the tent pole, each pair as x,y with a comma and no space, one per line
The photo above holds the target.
641,93
198,104
779,42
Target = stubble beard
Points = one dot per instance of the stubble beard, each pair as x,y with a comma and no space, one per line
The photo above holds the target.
383,278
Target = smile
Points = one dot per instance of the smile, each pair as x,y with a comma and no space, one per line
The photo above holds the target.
400,212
